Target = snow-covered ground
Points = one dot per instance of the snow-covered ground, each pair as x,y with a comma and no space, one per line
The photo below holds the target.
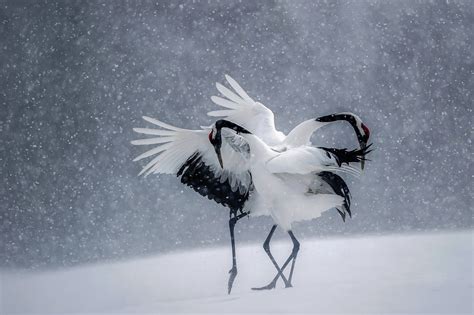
421,273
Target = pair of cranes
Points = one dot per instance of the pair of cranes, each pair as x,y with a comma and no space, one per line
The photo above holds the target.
245,164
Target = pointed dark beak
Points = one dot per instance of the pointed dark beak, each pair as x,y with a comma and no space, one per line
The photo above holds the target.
363,139
216,142
219,156
363,145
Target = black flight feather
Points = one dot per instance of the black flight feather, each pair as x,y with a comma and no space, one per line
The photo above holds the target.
340,188
199,176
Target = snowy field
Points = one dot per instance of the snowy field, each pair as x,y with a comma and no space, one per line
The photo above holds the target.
420,273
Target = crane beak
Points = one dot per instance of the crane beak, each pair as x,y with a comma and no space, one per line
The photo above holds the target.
216,142
362,163
363,145
219,156
363,139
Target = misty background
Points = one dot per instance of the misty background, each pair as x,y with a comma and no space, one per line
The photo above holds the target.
76,76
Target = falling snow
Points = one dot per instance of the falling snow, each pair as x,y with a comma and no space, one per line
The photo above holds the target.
76,77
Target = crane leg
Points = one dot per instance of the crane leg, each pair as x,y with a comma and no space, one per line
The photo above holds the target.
266,247
292,259
294,253
233,271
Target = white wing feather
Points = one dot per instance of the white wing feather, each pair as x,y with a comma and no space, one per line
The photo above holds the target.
306,160
153,141
301,160
238,89
177,145
223,102
241,109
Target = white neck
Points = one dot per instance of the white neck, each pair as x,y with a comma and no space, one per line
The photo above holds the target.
259,150
301,134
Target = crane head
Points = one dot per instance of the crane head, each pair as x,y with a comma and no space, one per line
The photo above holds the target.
361,130
215,136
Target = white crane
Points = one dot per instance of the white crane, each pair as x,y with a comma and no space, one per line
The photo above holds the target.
293,185
189,154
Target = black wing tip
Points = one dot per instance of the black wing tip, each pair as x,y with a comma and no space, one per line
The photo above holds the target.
199,176
347,207
340,188
343,214
344,156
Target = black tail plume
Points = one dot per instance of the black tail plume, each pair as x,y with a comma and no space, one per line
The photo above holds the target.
345,156
340,188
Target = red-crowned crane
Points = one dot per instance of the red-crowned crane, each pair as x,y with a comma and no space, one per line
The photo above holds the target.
189,154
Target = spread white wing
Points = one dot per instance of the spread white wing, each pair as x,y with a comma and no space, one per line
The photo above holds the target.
242,110
189,155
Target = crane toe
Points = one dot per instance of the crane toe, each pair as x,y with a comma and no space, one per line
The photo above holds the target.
269,286
233,274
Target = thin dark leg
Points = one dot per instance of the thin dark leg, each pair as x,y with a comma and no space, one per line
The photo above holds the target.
296,248
294,253
233,271
266,247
